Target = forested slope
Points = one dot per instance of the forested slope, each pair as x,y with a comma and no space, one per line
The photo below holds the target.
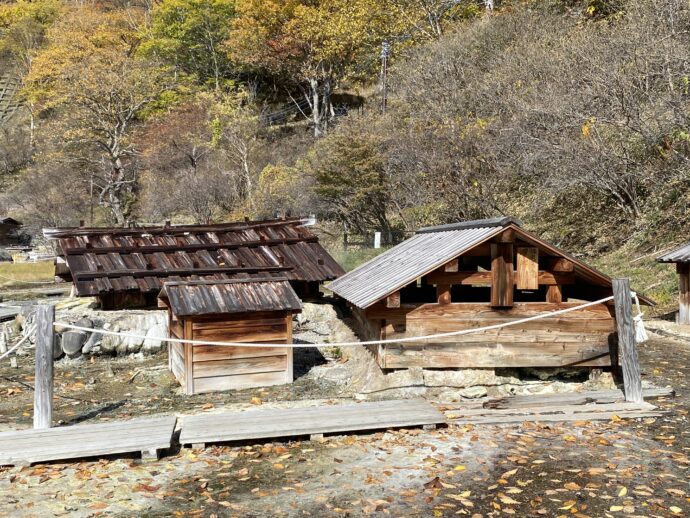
569,114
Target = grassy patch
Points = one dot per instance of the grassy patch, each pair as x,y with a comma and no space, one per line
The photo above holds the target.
657,281
25,274
351,259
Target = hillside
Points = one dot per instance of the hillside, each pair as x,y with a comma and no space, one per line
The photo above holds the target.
571,115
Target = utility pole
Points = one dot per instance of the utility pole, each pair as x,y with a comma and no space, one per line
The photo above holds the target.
385,53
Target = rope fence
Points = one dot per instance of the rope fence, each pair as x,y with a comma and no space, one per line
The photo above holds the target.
342,344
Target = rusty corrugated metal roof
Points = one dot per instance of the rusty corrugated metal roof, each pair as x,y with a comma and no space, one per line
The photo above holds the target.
195,298
103,260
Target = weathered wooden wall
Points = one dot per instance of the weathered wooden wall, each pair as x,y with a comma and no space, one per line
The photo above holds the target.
208,368
580,338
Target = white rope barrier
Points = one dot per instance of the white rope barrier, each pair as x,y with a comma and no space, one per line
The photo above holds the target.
340,344
20,342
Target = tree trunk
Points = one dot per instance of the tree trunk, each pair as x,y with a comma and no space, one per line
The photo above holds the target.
315,107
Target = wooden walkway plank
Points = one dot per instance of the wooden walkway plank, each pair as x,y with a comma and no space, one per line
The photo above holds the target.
147,435
277,423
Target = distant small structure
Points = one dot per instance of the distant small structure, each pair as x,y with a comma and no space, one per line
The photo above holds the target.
257,310
10,231
681,257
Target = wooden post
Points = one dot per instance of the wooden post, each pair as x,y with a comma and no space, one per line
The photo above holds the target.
632,381
443,295
502,275
683,270
43,395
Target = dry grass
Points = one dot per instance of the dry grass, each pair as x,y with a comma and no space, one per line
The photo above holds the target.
25,274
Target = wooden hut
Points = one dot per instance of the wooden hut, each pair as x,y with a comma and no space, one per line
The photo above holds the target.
126,267
681,257
475,274
247,310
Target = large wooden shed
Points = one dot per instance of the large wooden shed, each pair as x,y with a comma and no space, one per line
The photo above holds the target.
681,258
126,267
256,311
475,274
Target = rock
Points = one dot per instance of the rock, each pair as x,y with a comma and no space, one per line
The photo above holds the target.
84,322
153,342
473,392
57,347
109,343
5,256
72,342
92,341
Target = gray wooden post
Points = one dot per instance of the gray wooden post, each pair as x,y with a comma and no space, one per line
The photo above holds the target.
43,395
632,381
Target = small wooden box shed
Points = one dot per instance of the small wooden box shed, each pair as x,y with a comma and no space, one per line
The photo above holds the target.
476,274
242,310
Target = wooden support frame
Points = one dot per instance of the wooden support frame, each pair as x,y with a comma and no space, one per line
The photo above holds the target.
683,270
469,278
632,381
43,394
393,300
502,275
527,273
443,294
554,294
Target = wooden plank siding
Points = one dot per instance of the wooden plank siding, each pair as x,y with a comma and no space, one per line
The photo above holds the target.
206,368
580,338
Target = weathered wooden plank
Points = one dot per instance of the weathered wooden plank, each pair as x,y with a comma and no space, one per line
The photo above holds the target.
527,274
487,355
683,270
43,393
572,398
234,366
204,353
271,424
547,410
393,300
264,335
632,380
502,279
239,381
554,294
86,440
471,311
550,418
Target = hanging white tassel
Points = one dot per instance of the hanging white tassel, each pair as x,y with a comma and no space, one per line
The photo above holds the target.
640,332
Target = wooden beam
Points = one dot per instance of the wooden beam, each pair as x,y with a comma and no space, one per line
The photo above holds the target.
484,278
188,247
554,294
393,300
683,270
111,274
451,266
507,236
502,275
43,393
632,381
527,274
443,293
559,264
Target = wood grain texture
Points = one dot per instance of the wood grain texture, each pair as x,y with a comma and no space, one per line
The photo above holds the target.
278,423
527,274
554,294
502,275
86,440
43,393
632,378
683,293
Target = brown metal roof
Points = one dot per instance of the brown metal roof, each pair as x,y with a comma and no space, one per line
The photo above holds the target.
195,298
103,260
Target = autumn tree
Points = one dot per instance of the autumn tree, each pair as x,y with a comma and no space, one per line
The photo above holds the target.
95,88
190,34
310,45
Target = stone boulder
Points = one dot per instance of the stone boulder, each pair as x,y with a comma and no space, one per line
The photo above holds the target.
72,343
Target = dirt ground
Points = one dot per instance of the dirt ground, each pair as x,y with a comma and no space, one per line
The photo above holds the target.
617,468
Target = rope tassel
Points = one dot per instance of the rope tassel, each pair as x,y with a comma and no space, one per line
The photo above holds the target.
641,335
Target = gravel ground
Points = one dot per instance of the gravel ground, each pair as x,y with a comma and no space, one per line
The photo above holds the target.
617,468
